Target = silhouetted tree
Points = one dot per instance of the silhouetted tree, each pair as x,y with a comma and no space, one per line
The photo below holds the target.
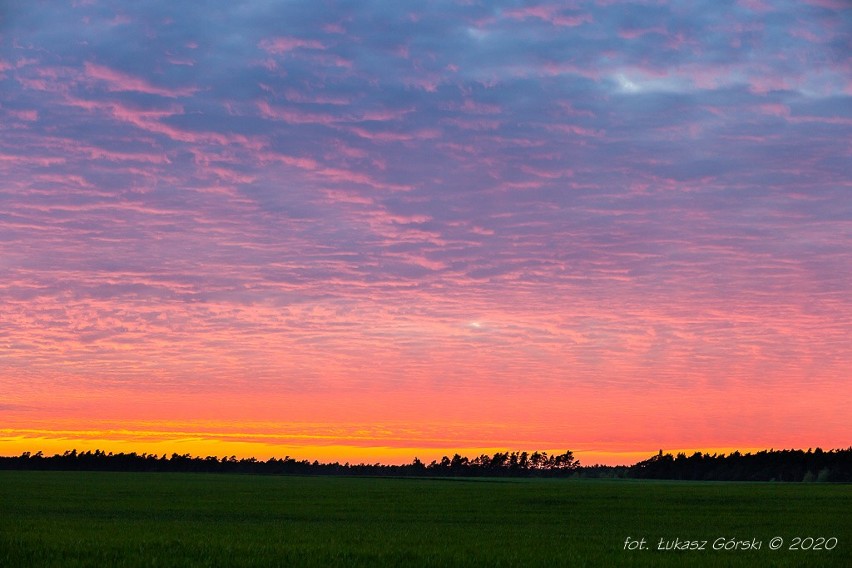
779,465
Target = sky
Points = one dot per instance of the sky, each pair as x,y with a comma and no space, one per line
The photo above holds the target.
374,230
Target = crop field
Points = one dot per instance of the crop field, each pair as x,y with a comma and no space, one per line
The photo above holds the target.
72,519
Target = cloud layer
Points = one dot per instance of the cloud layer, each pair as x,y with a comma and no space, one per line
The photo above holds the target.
564,202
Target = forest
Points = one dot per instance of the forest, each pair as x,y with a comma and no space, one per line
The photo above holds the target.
768,465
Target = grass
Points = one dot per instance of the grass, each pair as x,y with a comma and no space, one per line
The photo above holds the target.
72,519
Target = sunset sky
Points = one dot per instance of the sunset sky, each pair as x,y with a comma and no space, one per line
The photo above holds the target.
375,230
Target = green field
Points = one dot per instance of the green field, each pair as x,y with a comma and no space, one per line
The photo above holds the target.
135,519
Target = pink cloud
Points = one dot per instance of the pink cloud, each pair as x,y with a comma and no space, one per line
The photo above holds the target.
383,115
351,176
150,121
548,13
301,163
633,33
475,124
181,61
756,5
422,134
333,28
229,175
765,83
547,174
574,129
34,160
331,60
25,115
300,116
569,109
340,196
336,175
822,34
125,112
293,116
830,4
474,107
118,81
295,96
114,156
567,68
421,261
279,45
349,151
822,119
775,109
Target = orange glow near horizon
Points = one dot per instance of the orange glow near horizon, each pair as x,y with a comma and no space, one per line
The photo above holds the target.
50,443
394,427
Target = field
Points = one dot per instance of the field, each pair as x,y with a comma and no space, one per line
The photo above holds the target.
134,519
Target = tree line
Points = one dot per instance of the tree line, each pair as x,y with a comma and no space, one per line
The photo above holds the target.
500,464
767,465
